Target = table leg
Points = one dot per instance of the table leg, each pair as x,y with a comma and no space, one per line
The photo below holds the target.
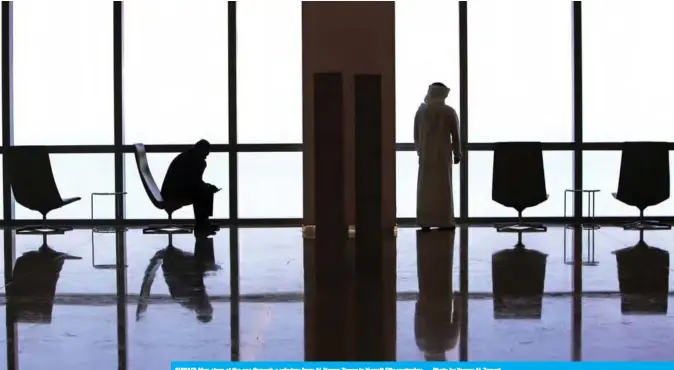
592,196
565,192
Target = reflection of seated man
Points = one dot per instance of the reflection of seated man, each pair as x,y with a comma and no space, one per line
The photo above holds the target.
184,275
437,316
183,184
33,287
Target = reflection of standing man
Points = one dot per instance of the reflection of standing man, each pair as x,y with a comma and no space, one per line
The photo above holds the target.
436,139
437,315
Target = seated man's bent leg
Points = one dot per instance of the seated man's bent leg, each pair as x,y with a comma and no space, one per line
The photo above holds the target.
202,202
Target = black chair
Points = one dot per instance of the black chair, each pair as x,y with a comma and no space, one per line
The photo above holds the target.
519,181
156,198
34,187
644,180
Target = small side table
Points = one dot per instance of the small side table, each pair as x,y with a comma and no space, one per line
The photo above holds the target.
590,226
102,230
591,196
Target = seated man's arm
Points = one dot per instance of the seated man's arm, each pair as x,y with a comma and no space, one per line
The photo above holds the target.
200,169
193,174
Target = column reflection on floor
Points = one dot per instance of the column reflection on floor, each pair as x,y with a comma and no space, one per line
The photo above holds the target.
577,303
463,286
120,275
234,291
12,339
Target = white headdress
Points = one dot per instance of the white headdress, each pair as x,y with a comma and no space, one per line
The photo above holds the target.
437,93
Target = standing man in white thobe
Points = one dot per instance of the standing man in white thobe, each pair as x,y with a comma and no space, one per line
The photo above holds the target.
437,142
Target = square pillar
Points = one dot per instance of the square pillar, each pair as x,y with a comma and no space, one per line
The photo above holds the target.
356,41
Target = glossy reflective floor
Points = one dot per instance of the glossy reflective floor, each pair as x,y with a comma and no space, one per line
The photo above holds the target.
80,328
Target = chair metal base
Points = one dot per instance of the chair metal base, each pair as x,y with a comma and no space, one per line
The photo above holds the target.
521,227
647,225
43,230
168,230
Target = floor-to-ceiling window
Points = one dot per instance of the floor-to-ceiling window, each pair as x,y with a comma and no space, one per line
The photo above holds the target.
519,89
63,96
176,90
627,76
427,51
269,101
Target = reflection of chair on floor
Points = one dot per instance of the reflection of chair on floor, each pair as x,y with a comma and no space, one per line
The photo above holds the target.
518,281
644,180
519,181
30,294
154,193
437,315
643,275
184,274
34,187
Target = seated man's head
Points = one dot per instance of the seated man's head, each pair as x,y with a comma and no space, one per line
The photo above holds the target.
202,148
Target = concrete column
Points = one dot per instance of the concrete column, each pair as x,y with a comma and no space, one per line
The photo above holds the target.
348,122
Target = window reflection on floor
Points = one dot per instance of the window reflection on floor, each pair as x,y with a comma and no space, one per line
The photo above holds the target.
271,312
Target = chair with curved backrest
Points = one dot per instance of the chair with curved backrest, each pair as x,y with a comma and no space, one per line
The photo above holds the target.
644,180
519,181
154,193
34,187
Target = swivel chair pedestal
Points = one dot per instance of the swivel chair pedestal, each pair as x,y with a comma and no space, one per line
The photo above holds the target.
168,229
644,224
521,227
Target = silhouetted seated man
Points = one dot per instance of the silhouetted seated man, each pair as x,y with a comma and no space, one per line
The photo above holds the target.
184,276
184,184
